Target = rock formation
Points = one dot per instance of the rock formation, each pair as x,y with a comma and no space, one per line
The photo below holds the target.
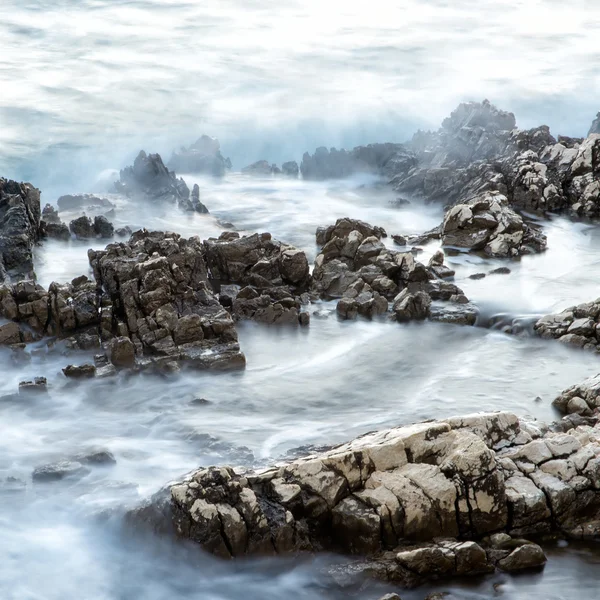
19,229
290,169
487,223
84,228
85,202
355,267
595,127
261,168
410,498
149,180
575,326
204,156
581,399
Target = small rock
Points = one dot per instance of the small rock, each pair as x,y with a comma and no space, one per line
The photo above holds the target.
500,271
103,227
200,402
477,276
122,352
304,319
38,386
60,470
99,456
80,372
123,231
528,556
400,240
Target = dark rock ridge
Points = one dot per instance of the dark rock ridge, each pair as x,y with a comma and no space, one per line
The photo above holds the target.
204,156
84,228
148,179
595,127
576,326
418,501
19,229
153,302
193,204
355,267
82,202
384,159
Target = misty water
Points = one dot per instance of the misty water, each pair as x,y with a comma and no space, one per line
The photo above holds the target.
85,84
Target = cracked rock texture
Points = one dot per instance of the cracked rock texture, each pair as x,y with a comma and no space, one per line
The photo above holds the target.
424,493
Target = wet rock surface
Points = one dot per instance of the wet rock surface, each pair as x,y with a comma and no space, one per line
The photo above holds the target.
203,156
19,229
419,502
575,326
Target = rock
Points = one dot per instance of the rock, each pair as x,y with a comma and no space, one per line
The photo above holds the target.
38,385
122,352
10,333
82,201
500,271
55,231
80,372
583,398
261,168
82,228
409,307
399,239
343,227
390,597
103,228
595,127
575,326
50,215
149,180
123,231
477,276
384,159
204,156
290,169
19,229
59,471
528,556
487,223
96,457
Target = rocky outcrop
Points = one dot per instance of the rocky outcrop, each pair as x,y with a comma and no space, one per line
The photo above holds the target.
355,267
290,169
193,204
84,228
160,299
269,277
575,326
261,168
487,223
51,227
149,180
595,127
581,399
381,159
403,497
82,202
204,156
19,229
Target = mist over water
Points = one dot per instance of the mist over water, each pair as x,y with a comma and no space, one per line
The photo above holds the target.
85,84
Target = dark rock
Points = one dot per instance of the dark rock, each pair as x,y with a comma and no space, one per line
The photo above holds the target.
83,201
528,556
204,156
39,385
500,271
411,307
96,457
399,239
19,229
103,228
50,215
79,372
290,169
82,228
261,168
124,231
595,127
477,276
55,231
122,352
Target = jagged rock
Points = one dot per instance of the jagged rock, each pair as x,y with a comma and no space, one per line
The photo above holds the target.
204,156
82,228
595,127
60,470
80,372
149,179
383,159
261,168
19,229
401,496
193,203
50,215
96,457
83,201
487,223
400,240
103,228
411,307
124,231
54,231
454,312
575,326
290,169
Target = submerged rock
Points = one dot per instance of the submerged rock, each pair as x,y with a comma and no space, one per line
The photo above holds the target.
19,229
59,471
39,385
204,156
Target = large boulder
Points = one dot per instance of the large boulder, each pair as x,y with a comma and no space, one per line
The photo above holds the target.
20,213
401,497
204,156
487,223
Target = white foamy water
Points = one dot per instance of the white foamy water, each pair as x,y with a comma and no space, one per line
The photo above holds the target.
85,84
